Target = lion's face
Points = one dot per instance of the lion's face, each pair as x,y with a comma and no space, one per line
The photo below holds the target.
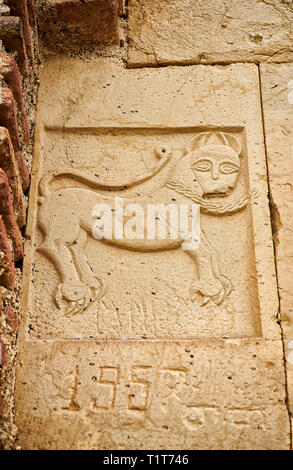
216,169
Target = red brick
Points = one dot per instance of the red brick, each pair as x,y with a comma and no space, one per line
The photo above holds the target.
121,7
2,353
97,19
32,13
7,276
8,119
9,164
2,406
11,34
20,8
6,210
11,317
11,75
23,171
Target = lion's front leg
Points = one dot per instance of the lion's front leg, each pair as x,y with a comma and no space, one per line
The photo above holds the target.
216,269
211,284
95,283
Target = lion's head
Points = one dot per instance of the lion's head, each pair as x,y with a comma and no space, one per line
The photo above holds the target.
216,169
211,164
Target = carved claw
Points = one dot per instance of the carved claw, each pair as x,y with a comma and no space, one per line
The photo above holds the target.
205,300
216,298
75,294
228,286
98,287
58,297
214,290
79,305
209,288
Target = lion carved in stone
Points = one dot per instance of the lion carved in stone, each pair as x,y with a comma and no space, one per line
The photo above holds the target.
206,174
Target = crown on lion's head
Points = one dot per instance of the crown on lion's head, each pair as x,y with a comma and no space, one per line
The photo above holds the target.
215,162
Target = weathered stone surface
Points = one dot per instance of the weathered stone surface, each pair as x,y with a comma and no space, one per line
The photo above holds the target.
277,93
140,340
152,395
213,31
2,359
11,318
96,20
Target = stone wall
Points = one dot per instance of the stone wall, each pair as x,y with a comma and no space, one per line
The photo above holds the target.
163,32
216,40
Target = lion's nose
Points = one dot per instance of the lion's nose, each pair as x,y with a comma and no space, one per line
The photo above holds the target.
215,172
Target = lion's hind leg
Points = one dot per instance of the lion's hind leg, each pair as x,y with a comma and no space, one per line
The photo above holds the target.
96,283
72,294
227,284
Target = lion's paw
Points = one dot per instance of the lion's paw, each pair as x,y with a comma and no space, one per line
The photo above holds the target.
227,284
209,290
98,286
75,295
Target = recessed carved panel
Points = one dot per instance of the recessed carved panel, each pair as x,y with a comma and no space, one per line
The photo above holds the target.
145,288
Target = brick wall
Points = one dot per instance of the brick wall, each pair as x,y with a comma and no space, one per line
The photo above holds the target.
18,75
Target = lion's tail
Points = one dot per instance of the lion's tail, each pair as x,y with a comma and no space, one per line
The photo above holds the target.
44,186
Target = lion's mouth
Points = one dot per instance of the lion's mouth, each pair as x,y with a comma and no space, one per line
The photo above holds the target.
217,193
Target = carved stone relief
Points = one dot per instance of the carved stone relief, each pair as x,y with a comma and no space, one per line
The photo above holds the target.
137,343
210,169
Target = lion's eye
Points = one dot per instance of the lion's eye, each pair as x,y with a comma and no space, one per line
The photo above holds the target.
202,166
226,168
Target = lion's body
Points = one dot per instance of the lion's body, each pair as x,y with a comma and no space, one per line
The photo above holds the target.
66,219
64,213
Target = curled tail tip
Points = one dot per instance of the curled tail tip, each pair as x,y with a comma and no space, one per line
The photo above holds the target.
163,151
41,199
44,186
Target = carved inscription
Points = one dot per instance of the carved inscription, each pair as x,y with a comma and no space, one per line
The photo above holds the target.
198,417
109,390
106,388
141,378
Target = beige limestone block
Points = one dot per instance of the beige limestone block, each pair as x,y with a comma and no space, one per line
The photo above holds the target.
277,94
152,395
209,31
138,343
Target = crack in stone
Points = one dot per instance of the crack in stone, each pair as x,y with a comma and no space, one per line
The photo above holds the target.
276,225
